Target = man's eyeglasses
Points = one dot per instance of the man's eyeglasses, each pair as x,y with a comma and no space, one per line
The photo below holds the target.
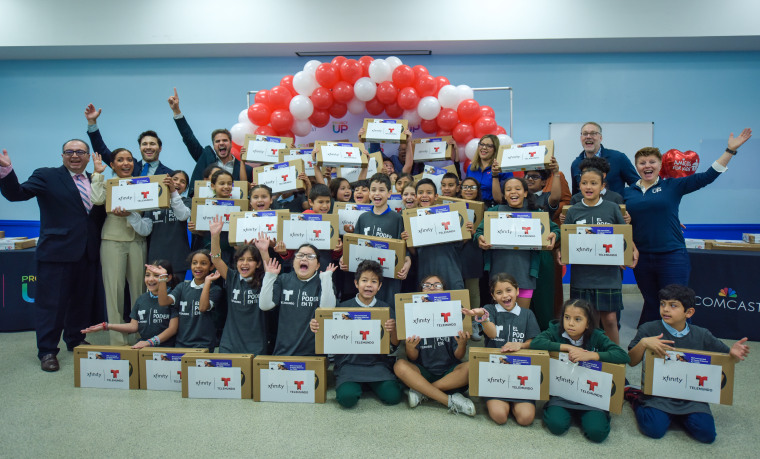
308,256
590,134
429,286
74,152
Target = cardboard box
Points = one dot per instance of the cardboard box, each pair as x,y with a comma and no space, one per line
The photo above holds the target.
204,209
731,245
435,174
390,253
297,229
566,208
384,130
689,375
2,234
435,225
216,375
354,334
695,243
304,154
752,238
336,154
161,367
395,202
264,148
290,385
247,225
529,156
597,245
348,213
432,149
17,243
459,299
517,230
374,164
137,193
588,388
106,367
533,384
475,209
203,189
280,177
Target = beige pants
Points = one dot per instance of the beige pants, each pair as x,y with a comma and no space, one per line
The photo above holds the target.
122,261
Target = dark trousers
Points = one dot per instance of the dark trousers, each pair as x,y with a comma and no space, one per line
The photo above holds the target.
656,270
64,302
654,423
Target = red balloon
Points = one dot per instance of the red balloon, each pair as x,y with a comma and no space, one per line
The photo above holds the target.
394,110
426,86
403,76
320,118
262,97
343,92
677,163
386,93
442,132
265,130
408,98
338,110
282,121
374,107
447,119
468,110
350,71
287,81
279,97
365,61
484,125
442,81
338,60
500,130
288,134
259,114
463,132
327,75
322,98
485,110
429,126
235,150
420,70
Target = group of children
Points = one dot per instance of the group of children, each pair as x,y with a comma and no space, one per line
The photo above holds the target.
271,294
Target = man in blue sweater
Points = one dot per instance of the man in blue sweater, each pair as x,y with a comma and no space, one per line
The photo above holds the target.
621,172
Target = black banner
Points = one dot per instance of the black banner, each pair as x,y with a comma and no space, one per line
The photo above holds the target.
18,272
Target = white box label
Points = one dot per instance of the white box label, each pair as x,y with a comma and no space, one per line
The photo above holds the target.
596,249
699,382
384,130
283,385
521,381
264,150
296,232
206,212
372,250
518,158
358,335
104,373
435,225
433,319
213,382
350,214
430,150
248,228
511,232
135,196
579,384
279,179
341,155
164,374
308,162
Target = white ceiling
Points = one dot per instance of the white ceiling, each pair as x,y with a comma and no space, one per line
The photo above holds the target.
53,29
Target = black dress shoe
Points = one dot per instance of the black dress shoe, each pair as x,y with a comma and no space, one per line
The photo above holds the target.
71,347
49,362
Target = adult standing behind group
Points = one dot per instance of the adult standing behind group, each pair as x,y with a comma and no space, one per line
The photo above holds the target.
67,250
482,168
220,154
653,204
621,171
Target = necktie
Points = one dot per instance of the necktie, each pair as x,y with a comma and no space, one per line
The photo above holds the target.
145,168
83,192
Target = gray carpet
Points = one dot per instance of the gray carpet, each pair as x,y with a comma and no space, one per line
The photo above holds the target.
44,415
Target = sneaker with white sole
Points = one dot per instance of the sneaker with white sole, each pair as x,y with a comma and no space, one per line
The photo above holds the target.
415,398
458,403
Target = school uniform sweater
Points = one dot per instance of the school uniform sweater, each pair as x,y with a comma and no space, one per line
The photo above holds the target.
151,318
245,331
196,328
516,326
389,224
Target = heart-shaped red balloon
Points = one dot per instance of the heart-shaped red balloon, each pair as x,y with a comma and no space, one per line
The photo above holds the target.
677,163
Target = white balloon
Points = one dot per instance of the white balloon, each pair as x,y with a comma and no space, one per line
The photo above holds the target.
448,97
302,84
364,89
301,128
471,148
379,71
311,67
465,92
301,107
413,117
243,117
393,61
504,139
428,108
357,106
240,130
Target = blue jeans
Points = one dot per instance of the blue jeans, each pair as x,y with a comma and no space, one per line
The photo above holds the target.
656,270
654,423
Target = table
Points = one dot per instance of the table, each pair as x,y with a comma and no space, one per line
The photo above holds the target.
727,284
18,274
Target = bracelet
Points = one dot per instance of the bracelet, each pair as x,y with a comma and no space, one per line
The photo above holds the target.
216,255
730,151
104,325
155,341
483,318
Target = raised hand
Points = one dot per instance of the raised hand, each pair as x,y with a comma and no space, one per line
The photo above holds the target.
212,276
735,142
331,268
262,242
5,160
157,270
174,103
216,225
91,114
495,167
739,350
272,266
97,163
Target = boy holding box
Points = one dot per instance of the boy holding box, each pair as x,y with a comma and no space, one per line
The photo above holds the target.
653,413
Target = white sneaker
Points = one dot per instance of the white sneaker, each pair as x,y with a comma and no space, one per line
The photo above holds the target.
415,398
458,403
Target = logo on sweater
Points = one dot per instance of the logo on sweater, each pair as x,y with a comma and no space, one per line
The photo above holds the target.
287,294
141,314
727,292
235,293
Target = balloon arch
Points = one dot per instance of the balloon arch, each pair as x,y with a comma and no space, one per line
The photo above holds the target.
325,90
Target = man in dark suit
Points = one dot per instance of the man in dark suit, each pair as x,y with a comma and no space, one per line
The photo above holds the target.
220,154
68,248
149,142
621,172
